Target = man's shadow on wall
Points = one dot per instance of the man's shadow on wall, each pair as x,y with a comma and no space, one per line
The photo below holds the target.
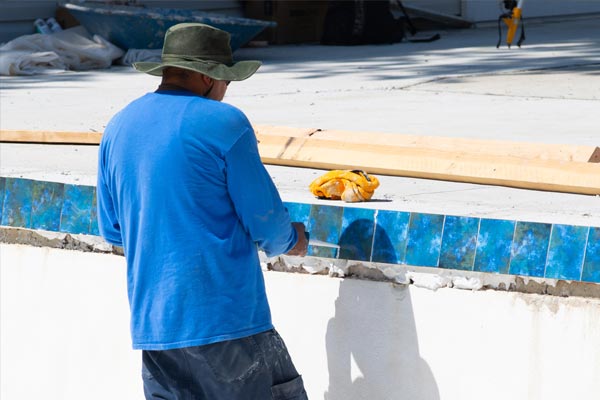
372,344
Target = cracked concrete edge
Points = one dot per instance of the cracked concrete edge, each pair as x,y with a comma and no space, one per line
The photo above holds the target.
57,240
430,278
423,277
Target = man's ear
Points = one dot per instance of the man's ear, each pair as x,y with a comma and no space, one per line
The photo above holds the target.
207,80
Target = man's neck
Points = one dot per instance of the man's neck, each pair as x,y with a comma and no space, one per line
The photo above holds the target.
172,86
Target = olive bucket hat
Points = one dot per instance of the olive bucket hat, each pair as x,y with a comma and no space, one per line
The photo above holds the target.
201,48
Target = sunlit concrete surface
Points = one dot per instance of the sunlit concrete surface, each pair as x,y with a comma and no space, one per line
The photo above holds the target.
460,86
64,313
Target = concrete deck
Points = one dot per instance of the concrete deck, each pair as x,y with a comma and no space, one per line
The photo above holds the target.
460,86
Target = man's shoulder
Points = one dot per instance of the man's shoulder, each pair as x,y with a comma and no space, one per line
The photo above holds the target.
228,116
225,108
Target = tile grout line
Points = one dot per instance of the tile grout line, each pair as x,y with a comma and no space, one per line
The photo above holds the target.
587,238
437,265
29,223
476,243
374,232
548,251
91,210
62,203
3,197
62,208
410,218
512,246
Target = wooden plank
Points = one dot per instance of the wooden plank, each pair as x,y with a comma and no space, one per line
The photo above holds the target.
552,175
284,131
50,137
563,168
541,151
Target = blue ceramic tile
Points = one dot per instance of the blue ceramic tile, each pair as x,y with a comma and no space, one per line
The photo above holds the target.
321,251
325,223
458,242
77,209
591,264
356,240
17,203
530,249
2,185
493,245
46,205
424,239
94,223
565,255
391,230
299,212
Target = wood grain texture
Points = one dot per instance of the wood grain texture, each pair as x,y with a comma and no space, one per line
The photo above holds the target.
540,166
50,137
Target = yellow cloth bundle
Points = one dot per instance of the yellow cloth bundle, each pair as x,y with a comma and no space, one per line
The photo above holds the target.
349,186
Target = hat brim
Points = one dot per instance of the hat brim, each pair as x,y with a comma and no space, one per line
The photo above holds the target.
236,72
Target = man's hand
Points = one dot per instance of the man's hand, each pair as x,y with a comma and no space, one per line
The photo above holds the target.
301,246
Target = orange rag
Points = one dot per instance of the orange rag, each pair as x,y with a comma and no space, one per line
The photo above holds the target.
349,186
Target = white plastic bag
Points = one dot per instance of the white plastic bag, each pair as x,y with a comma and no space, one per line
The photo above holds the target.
74,47
136,55
27,63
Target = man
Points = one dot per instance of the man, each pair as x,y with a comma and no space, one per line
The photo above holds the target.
182,188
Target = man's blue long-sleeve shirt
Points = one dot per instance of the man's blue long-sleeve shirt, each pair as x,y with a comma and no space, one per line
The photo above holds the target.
182,188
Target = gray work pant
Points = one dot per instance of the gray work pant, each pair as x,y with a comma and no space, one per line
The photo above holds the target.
256,367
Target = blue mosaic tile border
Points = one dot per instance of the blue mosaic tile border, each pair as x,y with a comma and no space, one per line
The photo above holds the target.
430,240
453,242
48,205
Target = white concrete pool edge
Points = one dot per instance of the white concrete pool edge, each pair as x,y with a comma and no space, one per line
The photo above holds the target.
64,326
